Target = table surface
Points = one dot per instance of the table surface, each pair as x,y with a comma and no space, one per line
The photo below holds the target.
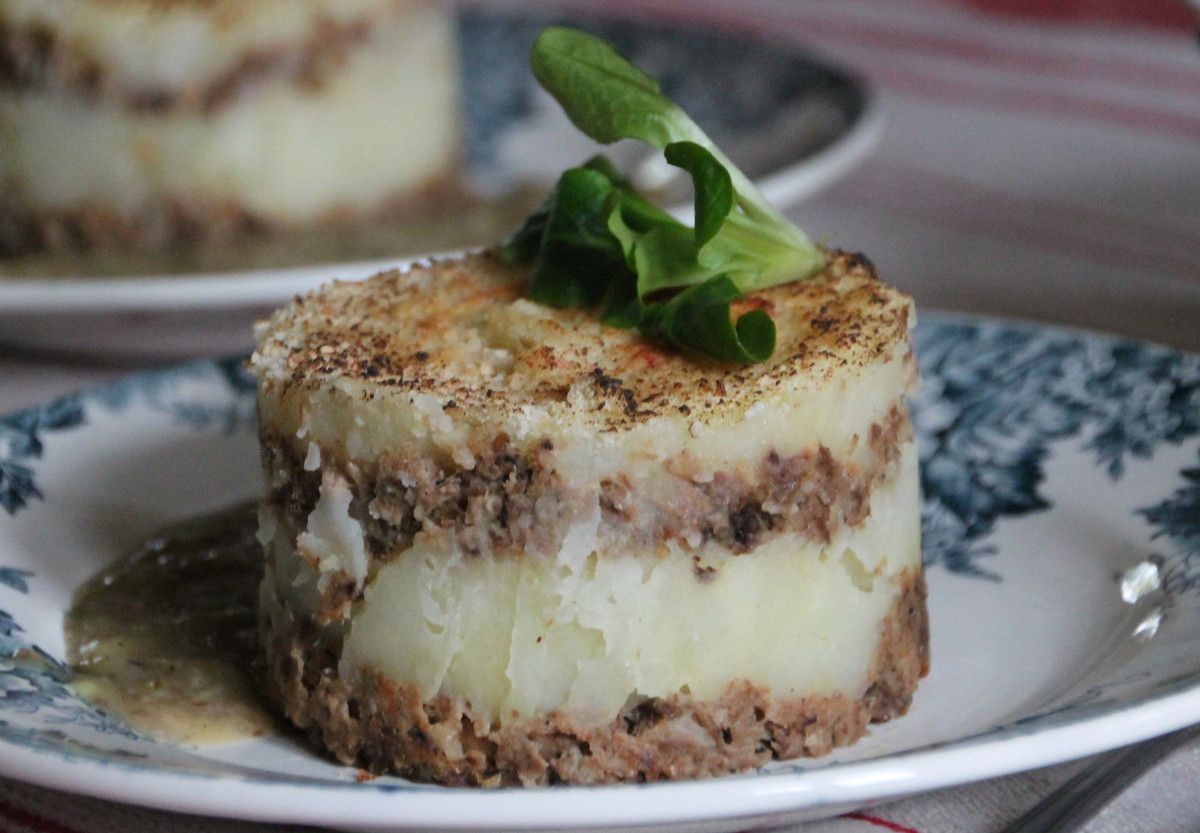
1040,160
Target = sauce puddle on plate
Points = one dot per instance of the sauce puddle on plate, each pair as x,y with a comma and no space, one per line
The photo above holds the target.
166,637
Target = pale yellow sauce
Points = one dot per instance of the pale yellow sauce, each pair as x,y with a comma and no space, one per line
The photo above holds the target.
165,638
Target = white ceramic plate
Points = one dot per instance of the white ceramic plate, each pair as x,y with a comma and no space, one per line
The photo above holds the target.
1053,462
795,125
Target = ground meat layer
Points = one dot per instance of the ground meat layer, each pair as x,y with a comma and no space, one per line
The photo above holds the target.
38,58
385,728
176,222
515,501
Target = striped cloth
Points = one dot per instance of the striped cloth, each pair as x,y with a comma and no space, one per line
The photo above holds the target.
1042,160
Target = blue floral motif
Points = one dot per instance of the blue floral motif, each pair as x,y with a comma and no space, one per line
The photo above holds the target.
21,443
59,741
166,391
33,682
995,397
15,578
9,642
1176,520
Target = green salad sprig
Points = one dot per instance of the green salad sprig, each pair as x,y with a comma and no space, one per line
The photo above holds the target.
596,242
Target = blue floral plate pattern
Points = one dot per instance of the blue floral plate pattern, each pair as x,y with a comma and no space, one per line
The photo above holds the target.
1052,462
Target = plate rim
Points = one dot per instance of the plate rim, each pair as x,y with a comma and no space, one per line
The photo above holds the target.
995,752
731,798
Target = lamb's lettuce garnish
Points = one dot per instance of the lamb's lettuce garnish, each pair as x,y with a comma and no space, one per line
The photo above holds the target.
697,320
595,241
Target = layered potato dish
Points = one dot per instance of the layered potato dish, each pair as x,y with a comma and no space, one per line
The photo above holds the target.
507,544
620,499
147,123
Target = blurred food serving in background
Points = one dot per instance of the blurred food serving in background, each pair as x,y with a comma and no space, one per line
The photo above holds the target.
143,124
168,138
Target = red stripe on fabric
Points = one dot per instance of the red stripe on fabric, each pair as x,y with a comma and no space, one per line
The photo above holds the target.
26,818
976,51
1162,14
798,25
775,24
884,823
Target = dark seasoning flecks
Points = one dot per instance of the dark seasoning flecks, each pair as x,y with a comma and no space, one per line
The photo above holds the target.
400,334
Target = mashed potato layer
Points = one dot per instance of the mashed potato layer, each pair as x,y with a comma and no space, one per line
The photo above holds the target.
587,631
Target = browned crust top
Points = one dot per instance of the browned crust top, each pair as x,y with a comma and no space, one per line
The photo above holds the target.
399,334
387,728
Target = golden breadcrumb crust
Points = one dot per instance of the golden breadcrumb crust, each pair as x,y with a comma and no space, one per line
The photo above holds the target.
460,330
